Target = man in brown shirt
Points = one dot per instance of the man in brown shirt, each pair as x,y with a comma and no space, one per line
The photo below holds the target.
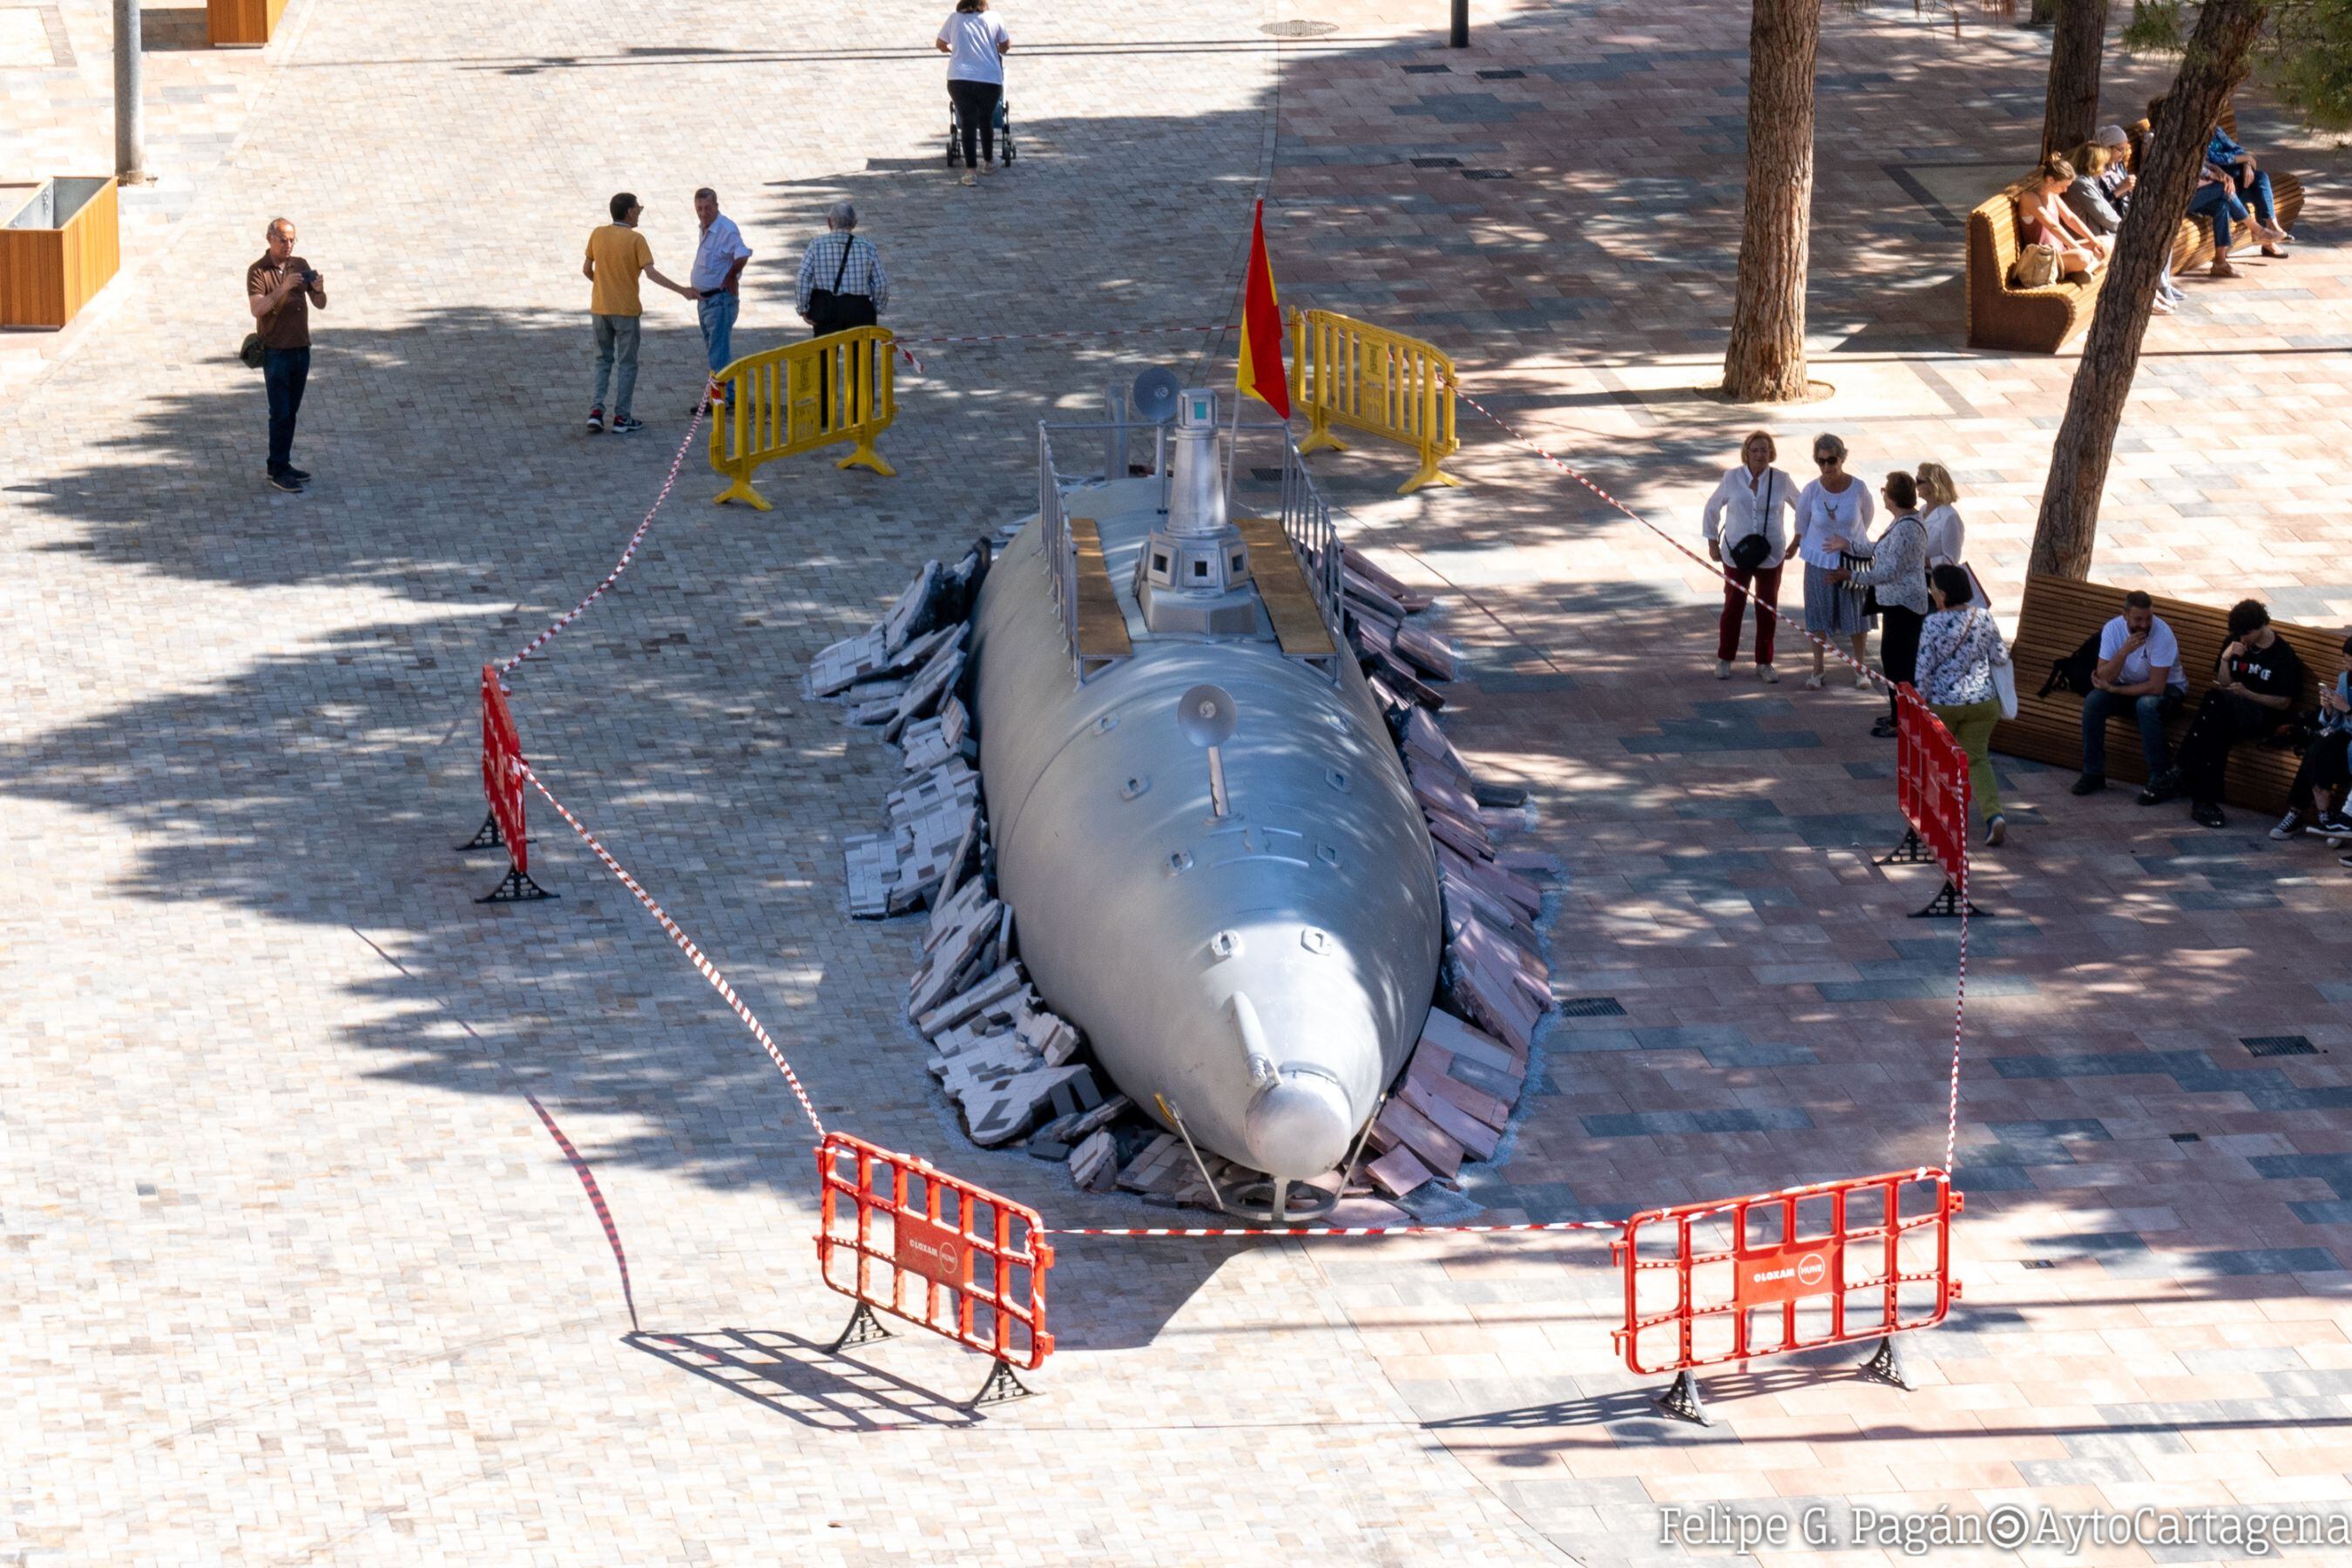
280,290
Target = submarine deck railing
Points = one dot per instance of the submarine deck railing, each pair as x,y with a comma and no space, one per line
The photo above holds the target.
1306,519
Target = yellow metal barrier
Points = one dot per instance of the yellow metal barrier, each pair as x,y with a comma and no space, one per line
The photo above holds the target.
1352,373
802,396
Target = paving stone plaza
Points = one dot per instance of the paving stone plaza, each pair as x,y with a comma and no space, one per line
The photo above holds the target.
295,1271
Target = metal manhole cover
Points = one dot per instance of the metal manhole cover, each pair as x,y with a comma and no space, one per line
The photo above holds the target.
1298,29
2279,1045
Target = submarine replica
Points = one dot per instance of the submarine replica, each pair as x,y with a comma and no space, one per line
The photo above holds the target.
1210,845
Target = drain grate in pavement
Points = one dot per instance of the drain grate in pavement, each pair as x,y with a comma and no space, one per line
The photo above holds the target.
2279,1045
1502,75
1437,162
1485,174
1267,476
1297,29
1591,1007
2188,1138
2041,1263
1428,70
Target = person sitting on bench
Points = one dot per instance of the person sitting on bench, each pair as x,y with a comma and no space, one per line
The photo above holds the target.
2046,219
2315,801
2256,683
2252,186
2138,672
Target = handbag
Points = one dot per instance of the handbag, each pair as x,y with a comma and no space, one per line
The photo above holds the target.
2037,268
1750,551
252,351
2004,678
830,310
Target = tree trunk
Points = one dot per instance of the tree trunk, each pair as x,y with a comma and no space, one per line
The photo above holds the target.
2211,69
2069,111
1765,361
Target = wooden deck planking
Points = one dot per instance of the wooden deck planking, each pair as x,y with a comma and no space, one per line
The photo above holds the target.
1102,625
1283,587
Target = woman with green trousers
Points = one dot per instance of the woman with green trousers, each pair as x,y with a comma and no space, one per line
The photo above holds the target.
1958,648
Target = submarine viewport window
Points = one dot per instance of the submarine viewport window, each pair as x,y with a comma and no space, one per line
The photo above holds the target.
1199,568
1237,564
1158,562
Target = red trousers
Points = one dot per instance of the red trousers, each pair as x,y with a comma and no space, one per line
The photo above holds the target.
1735,603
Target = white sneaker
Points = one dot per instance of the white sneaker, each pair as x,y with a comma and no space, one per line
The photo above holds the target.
1723,669
969,178
1767,675
1862,680
1813,681
1995,829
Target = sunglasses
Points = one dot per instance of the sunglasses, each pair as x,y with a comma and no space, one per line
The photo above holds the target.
1825,458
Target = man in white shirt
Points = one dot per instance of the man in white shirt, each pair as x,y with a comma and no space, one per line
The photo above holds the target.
716,280
1751,544
2139,673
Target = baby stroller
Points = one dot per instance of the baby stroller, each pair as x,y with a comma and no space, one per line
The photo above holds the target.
1003,133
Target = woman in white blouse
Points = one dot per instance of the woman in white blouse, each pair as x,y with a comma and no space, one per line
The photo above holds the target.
1835,506
1750,545
1936,493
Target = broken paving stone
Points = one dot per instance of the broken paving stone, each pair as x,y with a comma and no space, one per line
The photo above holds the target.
1082,1125
1398,1172
1093,1164
1043,1148
845,662
870,864
1157,1168
911,613
1001,1111
998,987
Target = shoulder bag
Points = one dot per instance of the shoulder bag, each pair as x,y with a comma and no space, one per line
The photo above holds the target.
830,310
2004,676
1750,551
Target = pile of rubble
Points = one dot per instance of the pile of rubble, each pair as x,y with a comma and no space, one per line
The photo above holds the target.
1014,1067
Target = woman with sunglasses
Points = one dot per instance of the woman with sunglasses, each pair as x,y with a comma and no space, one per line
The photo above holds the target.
1832,507
1895,570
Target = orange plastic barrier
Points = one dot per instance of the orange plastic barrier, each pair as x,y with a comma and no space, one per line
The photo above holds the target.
502,775
1828,1264
898,1233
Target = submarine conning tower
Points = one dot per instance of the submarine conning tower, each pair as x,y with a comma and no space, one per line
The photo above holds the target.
1252,957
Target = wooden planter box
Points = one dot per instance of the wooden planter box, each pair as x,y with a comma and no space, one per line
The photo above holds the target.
241,24
61,243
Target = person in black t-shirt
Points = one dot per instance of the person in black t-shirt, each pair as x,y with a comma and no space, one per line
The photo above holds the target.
2257,682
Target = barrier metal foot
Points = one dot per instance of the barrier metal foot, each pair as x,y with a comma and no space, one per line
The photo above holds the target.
1002,1388
1912,851
1321,441
1885,1364
485,836
515,887
865,457
1947,905
864,1328
1430,476
740,490
1682,1401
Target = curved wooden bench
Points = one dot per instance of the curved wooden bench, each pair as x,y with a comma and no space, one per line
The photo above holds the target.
2039,320
2059,613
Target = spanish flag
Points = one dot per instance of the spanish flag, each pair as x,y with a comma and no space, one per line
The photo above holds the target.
1262,374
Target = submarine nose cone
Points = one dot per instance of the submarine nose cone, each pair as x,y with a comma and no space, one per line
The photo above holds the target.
1299,1126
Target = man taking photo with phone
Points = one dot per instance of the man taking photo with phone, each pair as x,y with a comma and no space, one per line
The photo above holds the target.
280,290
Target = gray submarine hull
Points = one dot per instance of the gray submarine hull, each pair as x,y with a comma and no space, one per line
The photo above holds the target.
1301,932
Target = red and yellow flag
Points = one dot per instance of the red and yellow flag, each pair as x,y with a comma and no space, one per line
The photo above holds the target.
1262,374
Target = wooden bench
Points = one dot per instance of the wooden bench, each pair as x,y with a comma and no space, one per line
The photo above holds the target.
2000,315
2059,613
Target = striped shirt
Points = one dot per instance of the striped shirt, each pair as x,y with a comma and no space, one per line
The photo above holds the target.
863,275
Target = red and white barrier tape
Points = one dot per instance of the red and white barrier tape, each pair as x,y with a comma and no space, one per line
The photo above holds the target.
709,971
595,1201
573,613
907,354
1960,989
1349,1230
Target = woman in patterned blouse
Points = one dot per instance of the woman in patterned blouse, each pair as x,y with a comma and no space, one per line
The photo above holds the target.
1959,645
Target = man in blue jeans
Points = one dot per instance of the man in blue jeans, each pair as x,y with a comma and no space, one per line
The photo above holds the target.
2139,673
280,290
716,280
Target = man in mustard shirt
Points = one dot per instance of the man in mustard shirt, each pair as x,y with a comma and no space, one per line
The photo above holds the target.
616,254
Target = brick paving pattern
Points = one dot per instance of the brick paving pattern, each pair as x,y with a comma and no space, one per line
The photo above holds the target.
299,1274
